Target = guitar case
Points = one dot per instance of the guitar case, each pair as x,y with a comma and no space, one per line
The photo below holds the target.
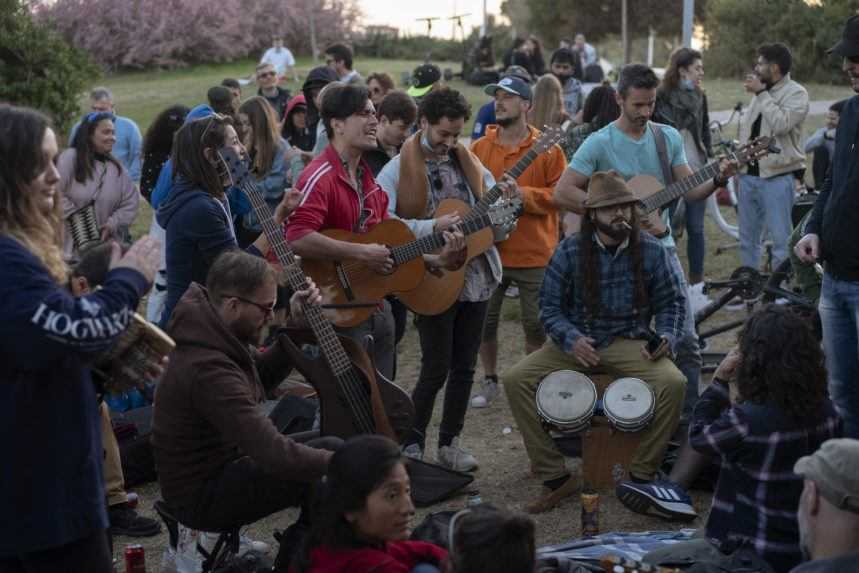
432,483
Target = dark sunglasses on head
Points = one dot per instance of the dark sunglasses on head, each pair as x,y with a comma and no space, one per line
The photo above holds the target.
212,119
96,116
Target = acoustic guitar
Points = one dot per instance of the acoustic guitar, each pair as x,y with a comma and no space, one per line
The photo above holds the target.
438,291
653,195
351,291
353,397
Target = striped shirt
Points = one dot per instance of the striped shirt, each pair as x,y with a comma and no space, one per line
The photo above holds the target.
757,495
562,306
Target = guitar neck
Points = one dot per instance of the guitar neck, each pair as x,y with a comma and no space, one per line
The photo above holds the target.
329,344
494,194
414,249
680,188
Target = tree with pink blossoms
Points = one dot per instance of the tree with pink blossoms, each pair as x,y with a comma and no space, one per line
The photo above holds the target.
169,33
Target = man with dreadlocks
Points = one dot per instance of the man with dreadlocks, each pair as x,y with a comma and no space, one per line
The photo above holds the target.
595,316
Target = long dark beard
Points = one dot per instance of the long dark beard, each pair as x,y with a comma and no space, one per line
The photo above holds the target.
616,234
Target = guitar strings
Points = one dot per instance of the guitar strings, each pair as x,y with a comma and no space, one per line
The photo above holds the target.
352,386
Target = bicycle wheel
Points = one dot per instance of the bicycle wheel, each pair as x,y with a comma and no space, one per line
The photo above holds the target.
716,214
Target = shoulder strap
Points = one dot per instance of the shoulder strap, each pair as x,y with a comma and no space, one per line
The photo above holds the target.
662,152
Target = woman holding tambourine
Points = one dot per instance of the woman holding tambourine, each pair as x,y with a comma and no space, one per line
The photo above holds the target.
99,198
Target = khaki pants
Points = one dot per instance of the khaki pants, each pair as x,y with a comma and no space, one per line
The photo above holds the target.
621,358
114,480
529,281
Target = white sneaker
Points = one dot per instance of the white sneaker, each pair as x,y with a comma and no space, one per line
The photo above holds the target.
414,451
512,292
488,392
697,298
456,458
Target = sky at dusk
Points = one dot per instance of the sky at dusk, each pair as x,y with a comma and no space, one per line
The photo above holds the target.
402,14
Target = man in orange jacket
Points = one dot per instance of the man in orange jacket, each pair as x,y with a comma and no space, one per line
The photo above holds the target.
525,254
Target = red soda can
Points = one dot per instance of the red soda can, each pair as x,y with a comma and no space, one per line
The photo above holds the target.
135,560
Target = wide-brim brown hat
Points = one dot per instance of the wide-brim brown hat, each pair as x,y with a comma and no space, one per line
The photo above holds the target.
607,188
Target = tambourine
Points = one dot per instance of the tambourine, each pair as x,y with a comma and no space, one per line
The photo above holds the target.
138,351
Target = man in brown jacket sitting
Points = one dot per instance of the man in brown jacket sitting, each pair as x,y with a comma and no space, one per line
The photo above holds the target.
221,462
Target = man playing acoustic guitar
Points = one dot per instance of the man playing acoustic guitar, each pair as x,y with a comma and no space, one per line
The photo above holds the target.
433,166
340,193
525,253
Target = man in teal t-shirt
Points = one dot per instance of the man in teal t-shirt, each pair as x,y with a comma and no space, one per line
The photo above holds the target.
628,146
611,148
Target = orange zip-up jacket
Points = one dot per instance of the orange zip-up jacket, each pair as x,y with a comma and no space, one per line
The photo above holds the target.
536,235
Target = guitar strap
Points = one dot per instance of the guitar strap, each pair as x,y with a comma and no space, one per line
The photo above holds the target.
664,162
662,152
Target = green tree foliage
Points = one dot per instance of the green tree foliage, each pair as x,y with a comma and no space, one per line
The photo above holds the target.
38,68
552,20
735,28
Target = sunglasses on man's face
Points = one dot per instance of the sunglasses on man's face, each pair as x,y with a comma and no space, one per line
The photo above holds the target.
266,75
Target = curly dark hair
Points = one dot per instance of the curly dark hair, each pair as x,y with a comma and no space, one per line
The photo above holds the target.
444,102
781,363
159,136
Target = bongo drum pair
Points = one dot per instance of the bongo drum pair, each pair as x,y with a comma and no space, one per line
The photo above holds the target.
567,400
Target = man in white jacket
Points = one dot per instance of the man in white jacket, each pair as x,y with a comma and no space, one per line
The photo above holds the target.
778,108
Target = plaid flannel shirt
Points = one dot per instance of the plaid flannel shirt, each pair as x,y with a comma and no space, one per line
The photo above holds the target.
562,306
757,495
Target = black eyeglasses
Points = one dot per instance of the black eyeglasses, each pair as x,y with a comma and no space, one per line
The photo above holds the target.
265,309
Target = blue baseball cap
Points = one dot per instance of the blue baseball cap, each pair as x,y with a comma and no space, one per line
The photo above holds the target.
511,85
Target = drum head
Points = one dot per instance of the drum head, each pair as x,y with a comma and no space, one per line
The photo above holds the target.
629,402
566,398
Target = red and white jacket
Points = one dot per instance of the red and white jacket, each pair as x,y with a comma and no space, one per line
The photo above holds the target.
330,201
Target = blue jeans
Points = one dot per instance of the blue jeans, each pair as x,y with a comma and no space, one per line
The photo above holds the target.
688,359
695,245
764,201
839,312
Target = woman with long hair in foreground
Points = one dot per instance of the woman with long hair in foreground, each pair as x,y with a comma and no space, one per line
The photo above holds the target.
52,500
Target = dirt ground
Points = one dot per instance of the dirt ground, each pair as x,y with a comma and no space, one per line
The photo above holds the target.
503,477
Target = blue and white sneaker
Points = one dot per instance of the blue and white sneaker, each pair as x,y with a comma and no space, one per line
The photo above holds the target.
660,498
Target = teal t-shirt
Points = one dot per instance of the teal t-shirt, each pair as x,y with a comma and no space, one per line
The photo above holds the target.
610,148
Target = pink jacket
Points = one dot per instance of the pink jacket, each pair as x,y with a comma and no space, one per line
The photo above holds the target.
116,205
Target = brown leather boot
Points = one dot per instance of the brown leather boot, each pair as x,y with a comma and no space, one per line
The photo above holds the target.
552,498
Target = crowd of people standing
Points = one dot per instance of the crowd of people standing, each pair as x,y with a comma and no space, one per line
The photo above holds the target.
600,285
